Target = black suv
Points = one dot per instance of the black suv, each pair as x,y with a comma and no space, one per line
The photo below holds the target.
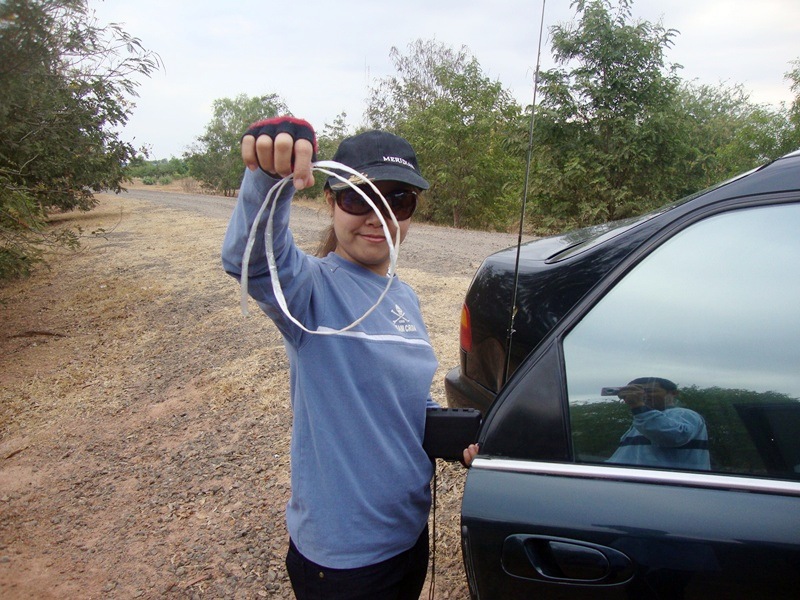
642,436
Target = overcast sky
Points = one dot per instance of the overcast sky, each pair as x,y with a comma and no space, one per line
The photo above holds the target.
322,57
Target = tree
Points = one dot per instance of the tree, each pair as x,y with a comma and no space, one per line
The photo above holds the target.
459,122
607,136
618,132
726,133
331,136
792,138
65,89
158,171
217,161
328,140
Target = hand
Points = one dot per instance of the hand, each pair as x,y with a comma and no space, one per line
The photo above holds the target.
470,453
281,146
632,395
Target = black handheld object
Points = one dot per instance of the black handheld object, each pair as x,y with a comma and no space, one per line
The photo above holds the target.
448,431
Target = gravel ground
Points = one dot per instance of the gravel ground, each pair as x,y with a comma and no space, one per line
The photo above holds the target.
145,423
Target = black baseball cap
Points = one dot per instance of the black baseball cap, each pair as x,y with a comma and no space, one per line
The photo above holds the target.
380,156
664,383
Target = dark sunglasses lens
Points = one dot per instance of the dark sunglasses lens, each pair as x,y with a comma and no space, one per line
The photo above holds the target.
350,201
403,203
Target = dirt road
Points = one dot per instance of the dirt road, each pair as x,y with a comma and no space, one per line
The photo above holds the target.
144,422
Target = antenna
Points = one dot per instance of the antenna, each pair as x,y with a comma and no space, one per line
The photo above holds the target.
524,204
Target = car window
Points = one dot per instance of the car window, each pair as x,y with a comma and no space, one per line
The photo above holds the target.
691,361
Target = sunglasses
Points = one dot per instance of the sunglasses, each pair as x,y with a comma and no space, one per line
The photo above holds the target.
402,202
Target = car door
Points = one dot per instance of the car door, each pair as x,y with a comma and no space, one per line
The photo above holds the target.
553,509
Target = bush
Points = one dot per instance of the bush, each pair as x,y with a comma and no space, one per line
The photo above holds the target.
65,83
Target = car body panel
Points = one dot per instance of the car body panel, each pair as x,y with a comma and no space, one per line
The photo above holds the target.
557,272
689,541
544,295
538,520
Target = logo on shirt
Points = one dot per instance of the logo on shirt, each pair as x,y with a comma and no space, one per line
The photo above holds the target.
401,321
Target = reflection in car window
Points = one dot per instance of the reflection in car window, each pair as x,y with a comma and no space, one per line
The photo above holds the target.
662,434
713,311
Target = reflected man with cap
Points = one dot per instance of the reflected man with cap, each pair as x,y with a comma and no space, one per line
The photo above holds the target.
662,434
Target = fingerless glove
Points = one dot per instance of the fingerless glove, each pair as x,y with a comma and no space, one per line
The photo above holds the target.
297,128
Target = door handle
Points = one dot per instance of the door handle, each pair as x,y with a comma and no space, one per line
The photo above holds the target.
564,560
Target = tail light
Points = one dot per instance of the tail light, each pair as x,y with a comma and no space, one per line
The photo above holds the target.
465,332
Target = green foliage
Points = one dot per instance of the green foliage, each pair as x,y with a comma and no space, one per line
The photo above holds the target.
63,87
726,134
174,168
460,123
792,136
331,135
597,427
618,133
21,226
328,140
216,159
606,137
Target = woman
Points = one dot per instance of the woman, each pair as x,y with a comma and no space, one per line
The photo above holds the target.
358,513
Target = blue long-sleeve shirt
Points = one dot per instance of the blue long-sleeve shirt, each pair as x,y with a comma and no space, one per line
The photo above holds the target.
360,477
673,438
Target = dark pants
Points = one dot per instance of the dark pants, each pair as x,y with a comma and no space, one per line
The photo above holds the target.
398,578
